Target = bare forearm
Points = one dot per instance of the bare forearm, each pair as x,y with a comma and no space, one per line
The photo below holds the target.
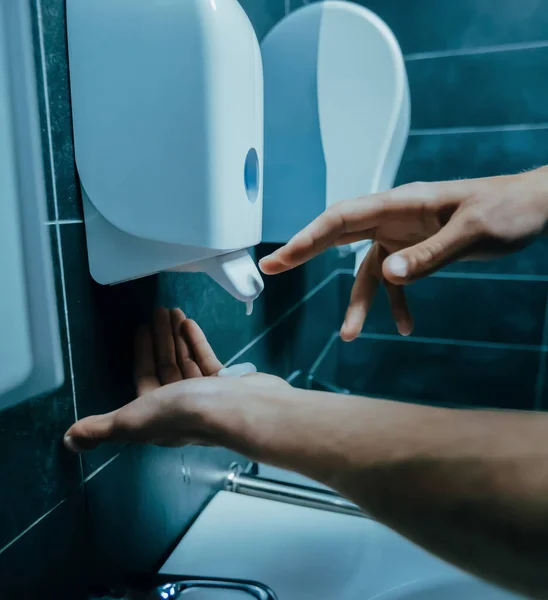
471,486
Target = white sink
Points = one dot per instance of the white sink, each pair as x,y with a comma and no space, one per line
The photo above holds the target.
308,554
458,589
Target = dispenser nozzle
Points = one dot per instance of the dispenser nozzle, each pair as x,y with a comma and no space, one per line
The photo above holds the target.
235,272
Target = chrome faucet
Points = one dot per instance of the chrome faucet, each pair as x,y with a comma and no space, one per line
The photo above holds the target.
178,586
255,591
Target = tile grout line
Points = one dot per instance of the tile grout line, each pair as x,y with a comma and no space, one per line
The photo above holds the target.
103,466
390,337
478,276
414,56
328,386
56,208
292,376
346,272
478,129
31,526
490,276
65,222
286,314
322,354
541,377
48,512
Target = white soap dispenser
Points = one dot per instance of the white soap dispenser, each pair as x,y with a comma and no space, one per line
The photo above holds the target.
337,113
167,101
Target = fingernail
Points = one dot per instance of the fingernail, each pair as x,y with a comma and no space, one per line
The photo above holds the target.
264,260
346,337
71,445
397,265
237,370
404,330
344,333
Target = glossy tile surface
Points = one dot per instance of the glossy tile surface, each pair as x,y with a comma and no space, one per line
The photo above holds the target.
493,89
510,312
442,157
445,374
142,502
35,471
49,561
444,25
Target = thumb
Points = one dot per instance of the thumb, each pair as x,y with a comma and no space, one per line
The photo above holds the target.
88,433
445,246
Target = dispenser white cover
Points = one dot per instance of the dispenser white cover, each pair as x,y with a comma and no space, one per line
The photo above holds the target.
337,112
167,102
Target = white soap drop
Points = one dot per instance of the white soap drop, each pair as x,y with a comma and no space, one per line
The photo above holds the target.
249,307
237,370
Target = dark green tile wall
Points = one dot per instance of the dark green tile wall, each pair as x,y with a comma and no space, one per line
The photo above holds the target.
443,373
50,560
445,25
494,88
477,342
461,309
35,471
477,72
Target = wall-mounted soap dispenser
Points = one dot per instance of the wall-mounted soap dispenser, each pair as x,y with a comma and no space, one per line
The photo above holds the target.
167,101
337,113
